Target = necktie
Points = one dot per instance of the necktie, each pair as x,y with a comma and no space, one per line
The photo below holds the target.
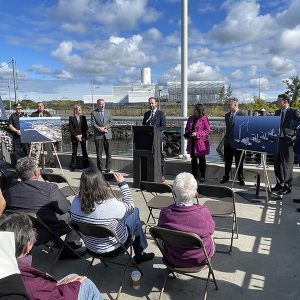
78,119
102,116
151,117
231,120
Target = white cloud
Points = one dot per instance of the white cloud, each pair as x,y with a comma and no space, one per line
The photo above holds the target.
153,35
243,23
262,83
237,74
280,66
290,39
290,16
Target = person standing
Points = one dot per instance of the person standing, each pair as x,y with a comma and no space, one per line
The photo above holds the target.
284,158
155,117
229,151
36,148
102,120
20,149
78,129
196,131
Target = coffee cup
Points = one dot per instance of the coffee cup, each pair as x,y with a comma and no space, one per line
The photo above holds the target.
136,279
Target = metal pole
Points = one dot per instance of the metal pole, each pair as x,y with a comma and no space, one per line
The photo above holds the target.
14,77
184,65
259,88
92,86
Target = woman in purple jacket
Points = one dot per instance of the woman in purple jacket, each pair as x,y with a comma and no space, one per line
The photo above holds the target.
188,217
196,131
40,285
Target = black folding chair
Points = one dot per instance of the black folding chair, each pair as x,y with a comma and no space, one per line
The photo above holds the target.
59,178
38,222
101,231
155,198
180,239
221,208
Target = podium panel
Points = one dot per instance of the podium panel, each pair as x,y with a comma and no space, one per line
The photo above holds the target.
146,154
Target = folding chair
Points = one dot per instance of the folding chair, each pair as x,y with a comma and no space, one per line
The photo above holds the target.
220,208
58,178
36,221
182,239
110,177
153,195
102,231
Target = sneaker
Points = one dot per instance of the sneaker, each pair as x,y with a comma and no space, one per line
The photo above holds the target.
286,190
144,257
277,188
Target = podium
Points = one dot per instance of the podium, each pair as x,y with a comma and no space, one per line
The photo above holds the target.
146,154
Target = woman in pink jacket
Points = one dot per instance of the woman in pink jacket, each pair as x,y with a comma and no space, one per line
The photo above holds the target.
196,131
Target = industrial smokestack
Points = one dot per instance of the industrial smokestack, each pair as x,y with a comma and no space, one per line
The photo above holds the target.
146,75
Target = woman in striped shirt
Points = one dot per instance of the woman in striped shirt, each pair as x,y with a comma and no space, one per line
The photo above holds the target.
96,205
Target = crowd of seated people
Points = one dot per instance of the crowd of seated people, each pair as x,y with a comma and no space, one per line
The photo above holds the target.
95,204
38,284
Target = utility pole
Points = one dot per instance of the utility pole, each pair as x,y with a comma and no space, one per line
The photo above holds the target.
92,87
184,67
14,77
259,88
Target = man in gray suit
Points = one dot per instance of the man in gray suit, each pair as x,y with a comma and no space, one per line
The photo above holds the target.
284,159
101,119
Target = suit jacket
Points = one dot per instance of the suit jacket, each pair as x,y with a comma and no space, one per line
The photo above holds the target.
78,128
44,199
228,138
97,123
158,121
289,125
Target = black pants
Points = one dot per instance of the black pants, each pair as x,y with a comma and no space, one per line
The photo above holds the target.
283,163
74,154
202,165
229,153
20,150
100,144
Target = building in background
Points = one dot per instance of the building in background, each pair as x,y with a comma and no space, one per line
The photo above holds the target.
198,91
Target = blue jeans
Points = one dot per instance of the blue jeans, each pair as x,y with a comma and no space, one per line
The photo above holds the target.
87,291
133,223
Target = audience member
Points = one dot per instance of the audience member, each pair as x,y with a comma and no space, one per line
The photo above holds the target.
11,284
40,285
96,205
78,129
188,217
44,199
196,131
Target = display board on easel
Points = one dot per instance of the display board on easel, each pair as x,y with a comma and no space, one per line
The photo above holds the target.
258,134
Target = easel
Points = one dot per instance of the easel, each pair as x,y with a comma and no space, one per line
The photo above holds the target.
42,153
266,177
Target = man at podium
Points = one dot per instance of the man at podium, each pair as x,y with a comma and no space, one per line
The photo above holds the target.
155,117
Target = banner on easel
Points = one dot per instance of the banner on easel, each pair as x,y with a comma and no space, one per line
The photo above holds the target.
40,129
256,133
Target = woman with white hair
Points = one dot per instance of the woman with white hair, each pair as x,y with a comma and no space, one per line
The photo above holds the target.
186,216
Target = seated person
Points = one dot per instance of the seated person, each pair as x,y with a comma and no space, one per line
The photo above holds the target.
188,217
44,199
11,284
96,205
40,285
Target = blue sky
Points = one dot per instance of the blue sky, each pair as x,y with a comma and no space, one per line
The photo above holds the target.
61,46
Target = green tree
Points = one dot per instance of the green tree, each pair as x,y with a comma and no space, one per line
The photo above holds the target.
293,85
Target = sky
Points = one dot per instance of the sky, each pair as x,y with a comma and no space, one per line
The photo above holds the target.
65,48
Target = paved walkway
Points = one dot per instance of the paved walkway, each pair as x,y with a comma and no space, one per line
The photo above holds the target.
264,262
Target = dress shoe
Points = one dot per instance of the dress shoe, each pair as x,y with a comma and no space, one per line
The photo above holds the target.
286,190
296,200
241,182
277,188
107,171
143,257
224,180
202,179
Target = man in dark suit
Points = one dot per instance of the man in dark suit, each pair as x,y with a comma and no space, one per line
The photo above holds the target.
156,118
36,148
20,149
102,120
229,151
284,159
44,199
78,129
